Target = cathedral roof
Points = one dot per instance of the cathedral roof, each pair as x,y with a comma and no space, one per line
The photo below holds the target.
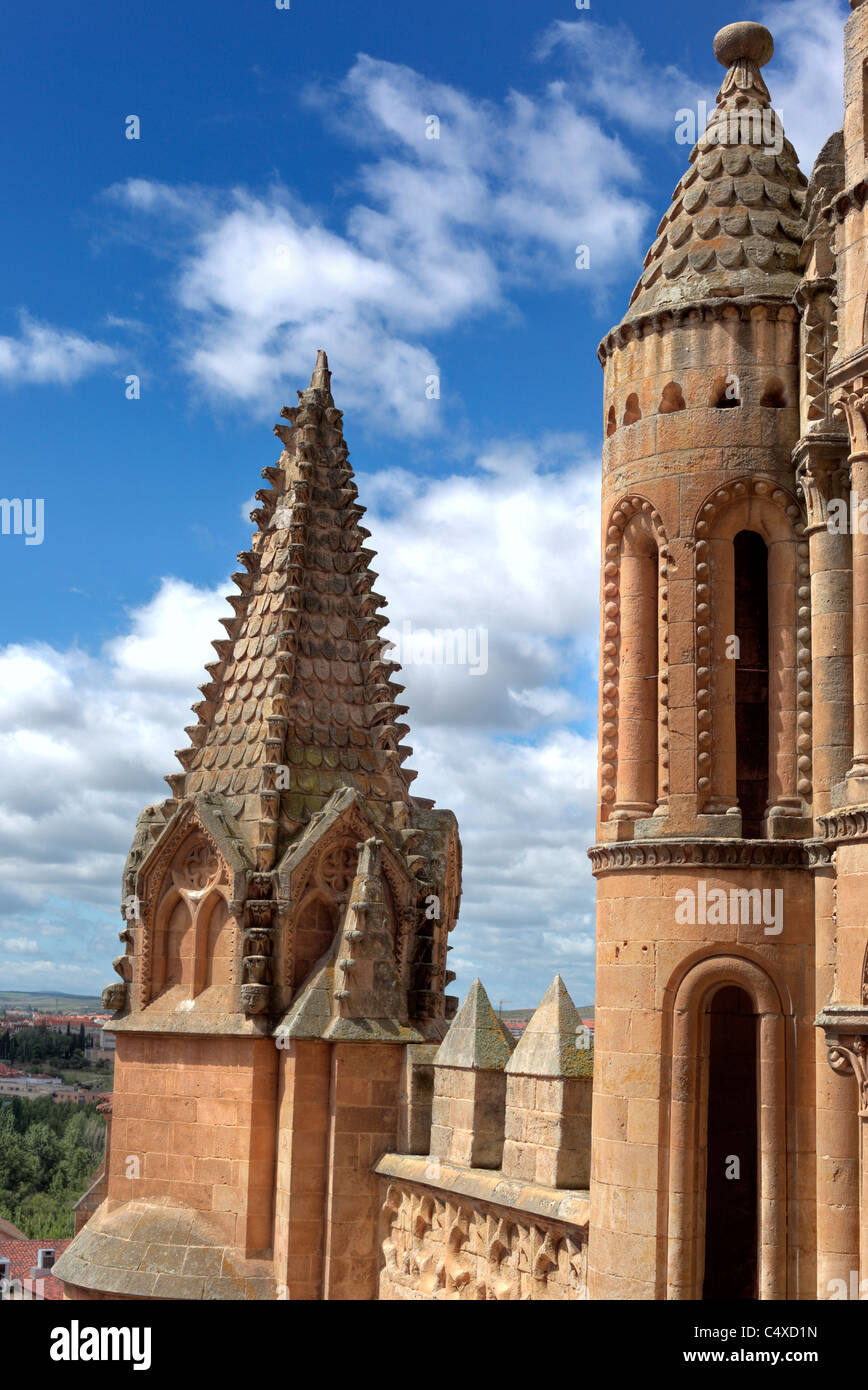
735,225
301,699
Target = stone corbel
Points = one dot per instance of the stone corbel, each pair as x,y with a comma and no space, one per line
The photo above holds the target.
846,1030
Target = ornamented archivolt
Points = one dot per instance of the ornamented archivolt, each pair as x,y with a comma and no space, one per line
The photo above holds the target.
704,529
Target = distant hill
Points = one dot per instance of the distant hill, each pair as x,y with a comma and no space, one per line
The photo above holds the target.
55,1001
583,1010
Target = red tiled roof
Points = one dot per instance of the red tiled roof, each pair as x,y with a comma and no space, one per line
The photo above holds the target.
23,1255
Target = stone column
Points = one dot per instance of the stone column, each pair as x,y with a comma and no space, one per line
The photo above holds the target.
852,405
637,742
846,1030
822,475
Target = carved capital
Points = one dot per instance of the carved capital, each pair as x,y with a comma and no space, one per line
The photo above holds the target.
851,406
822,472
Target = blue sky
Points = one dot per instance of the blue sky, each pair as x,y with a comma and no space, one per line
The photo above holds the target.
283,196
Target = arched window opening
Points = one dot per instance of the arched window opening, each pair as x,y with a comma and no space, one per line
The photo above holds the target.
314,932
774,396
751,656
611,422
725,394
178,949
672,399
218,945
632,413
732,1142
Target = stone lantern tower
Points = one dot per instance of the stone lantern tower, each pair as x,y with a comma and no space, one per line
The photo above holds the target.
705,923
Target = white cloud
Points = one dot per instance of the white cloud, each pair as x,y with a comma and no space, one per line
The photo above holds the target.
618,77
441,231
806,75
43,354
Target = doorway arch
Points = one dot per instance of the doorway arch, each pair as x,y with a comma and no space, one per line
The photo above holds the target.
691,1032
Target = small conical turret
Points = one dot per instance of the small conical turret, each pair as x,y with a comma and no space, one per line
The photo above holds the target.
735,224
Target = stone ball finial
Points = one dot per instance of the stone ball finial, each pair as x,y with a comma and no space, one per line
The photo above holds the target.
743,40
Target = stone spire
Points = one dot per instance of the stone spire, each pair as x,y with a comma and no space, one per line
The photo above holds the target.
301,699
549,1044
477,1037
735,224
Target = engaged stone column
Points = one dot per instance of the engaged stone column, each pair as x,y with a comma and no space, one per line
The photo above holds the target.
823,476
852,404
470,1086
548,1098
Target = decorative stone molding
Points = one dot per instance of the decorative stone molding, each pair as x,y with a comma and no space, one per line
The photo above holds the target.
849,824
703,529
846,1030
457,1234
737,854
745,308
818,302
622,512
851,200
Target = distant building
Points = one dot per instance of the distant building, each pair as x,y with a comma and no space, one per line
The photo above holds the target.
26,1265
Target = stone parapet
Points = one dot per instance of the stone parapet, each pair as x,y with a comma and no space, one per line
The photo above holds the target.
452,1233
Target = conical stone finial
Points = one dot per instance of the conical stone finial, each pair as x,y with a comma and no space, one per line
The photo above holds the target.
735,224
476,1036
548,1046
744,41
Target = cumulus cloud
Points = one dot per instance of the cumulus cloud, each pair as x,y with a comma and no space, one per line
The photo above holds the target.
806,75
439,231
85,738
42,354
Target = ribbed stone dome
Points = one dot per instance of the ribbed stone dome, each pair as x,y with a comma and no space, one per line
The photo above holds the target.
736,225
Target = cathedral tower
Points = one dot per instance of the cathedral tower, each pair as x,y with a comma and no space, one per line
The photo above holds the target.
705,1065
287,912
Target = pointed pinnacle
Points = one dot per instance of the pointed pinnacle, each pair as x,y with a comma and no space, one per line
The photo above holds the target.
321,374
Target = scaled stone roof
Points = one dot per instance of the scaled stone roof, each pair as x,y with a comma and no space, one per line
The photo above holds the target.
302,682
736,221
477,1038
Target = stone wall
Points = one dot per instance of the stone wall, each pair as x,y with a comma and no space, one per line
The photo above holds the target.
494,1203
472,1234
